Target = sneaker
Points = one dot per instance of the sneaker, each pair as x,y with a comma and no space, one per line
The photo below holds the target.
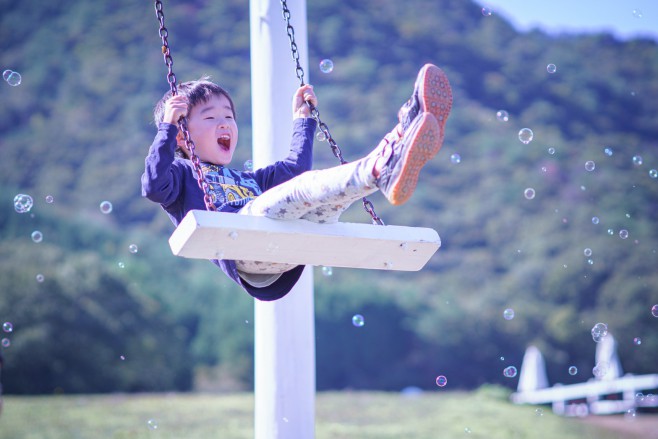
432,93
419,143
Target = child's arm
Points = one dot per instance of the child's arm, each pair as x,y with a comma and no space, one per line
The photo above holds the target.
162,182
300,157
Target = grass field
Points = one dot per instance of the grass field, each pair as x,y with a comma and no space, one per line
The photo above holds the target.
362,415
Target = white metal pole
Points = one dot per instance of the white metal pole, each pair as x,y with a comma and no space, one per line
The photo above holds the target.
284,346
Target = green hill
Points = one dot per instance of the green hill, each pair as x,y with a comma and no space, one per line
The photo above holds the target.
78,126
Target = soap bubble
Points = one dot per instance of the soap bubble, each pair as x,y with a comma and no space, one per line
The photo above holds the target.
508,314
539,412
529,193
526,135
233,235
653,173
637,341
441,381
40,278
152,424
7,327
611,232
637,160
590,165
551,68
121,264
320,136
23,203
599,331
487,12
358,320
637,13
654,310
608,151
5,342
623,233
455,158
13,78
551,151
248,165
573,370
509,371
502,115
587,252
327,271
106,207
595,220
37,236
326,66
50,199
132,248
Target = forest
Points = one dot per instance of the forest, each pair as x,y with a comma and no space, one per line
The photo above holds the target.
560,229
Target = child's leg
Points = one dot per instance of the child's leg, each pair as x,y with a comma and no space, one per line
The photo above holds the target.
319,196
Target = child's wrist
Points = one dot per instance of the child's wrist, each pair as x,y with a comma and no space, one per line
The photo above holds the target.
301,115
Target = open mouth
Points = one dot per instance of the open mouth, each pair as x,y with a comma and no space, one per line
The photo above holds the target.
224,141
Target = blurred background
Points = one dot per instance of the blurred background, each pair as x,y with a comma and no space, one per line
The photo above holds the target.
543,236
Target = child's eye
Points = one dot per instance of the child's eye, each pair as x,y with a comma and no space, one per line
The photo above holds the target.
209,118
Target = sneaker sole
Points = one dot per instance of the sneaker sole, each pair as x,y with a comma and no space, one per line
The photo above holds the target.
423,142
434,93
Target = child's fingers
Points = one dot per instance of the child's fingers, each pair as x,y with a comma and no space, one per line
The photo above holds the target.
177,100
308,94
175,108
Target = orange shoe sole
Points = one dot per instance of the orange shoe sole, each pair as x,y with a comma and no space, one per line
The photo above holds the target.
423,142
434,93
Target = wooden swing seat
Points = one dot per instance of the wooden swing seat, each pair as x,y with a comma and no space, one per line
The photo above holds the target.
218,235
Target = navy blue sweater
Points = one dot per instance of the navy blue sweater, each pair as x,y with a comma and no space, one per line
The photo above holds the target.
171,182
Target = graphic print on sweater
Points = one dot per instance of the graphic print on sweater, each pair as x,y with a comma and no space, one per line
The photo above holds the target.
229,186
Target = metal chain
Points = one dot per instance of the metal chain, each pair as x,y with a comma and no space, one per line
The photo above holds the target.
315,114
182,122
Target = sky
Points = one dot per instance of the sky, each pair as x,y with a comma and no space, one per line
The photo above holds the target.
624,18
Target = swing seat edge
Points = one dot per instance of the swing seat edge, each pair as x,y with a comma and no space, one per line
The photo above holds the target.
220,235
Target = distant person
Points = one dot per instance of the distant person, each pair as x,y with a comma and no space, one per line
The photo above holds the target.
287,189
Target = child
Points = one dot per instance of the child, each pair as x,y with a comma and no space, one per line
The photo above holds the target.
287,189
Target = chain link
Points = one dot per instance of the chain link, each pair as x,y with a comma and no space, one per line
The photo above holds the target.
182,122
315,113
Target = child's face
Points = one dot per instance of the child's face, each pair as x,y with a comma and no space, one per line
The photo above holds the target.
214,131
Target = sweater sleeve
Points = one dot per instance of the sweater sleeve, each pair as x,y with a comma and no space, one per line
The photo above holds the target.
299,159
162,182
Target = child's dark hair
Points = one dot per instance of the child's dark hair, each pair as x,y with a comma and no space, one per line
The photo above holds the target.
197,92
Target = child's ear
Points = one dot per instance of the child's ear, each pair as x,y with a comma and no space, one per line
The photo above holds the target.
180,139
180,142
